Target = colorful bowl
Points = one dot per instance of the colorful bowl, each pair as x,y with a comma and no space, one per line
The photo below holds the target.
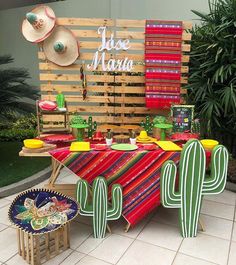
209,144
33,143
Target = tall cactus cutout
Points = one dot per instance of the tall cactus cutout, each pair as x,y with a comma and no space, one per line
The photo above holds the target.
193,183
99,209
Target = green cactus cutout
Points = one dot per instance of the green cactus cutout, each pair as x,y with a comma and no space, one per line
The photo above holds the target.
147,125
92,127
60,99
193,183
99,209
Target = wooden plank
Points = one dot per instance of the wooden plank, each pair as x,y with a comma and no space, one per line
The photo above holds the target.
98,89
135,57
118,119
140,35
105,110
76,67
109,22
98,78
139,79
134,46
99,99
95,88
97,22
128,23
75,77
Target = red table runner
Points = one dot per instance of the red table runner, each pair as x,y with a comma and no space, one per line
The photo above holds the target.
137,171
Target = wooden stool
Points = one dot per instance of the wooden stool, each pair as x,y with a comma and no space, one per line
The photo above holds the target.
36,249
42,219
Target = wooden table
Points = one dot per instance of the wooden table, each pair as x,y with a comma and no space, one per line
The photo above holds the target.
68,189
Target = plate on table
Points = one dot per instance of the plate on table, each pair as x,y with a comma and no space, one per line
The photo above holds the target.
100,147
124,147
149,147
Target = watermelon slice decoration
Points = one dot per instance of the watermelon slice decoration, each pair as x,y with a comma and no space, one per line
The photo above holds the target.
47,105
55,138
185,136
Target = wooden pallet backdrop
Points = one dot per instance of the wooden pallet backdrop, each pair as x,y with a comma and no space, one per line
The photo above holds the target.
117,98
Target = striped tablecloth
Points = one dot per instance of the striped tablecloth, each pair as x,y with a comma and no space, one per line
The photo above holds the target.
137,171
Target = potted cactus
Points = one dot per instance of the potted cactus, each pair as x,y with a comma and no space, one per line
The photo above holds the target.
109,138
132,137
157,131
78,124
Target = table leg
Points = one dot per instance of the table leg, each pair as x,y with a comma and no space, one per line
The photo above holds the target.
56,167
127,227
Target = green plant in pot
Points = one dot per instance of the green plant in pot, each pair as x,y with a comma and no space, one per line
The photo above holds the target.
132,137
212,82
109,138
77,122
158,120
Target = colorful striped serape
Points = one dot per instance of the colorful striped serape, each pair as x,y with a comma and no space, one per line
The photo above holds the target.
163,46
137,171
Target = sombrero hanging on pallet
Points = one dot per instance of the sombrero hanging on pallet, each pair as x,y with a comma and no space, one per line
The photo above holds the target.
61,47
38,24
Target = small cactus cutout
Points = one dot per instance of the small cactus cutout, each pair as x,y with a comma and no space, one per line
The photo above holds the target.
193,182
92,127
99,209
147,125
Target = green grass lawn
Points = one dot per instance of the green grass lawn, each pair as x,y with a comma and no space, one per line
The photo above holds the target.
14,168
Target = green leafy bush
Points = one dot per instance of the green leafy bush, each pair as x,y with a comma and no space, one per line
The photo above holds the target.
25,122
18,128
212,79
9,135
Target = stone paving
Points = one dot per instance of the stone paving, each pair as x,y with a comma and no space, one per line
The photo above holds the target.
154,241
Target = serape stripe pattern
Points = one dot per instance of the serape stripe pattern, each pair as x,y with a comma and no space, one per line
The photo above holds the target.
163,48
138,172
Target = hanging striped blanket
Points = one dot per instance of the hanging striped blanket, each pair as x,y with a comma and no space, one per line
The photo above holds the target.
137,171
163,45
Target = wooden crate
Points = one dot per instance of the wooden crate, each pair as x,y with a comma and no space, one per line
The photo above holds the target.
115,98
36,249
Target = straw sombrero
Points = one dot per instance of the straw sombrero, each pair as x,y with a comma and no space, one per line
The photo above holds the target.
38,24
61,47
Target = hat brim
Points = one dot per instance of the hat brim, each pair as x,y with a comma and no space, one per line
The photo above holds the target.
37,35
65,36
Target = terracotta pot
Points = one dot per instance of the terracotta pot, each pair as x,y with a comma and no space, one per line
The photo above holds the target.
156,133
75,132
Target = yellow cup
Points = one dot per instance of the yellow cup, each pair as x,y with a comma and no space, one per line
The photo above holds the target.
209,144
143,134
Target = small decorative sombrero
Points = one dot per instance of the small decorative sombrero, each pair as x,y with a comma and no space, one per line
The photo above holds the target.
38,24
61,47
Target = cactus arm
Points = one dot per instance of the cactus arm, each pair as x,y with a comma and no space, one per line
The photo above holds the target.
115,211
169,197
82,198
215,184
